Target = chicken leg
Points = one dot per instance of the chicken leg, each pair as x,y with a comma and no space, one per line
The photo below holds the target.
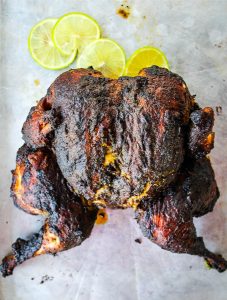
167,220
39,188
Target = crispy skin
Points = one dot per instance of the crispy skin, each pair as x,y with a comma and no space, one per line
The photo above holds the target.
140,120
167,220
93,142
38,187
201,137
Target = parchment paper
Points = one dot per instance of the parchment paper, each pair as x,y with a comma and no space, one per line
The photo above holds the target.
110,264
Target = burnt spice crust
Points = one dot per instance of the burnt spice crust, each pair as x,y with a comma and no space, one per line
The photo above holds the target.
93,142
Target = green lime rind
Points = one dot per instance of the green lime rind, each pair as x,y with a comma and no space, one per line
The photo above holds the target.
42,49
77,43
104,55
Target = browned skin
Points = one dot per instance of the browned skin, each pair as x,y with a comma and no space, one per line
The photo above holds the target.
39,188
94,142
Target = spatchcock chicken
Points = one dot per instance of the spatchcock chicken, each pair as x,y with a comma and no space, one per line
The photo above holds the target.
94,142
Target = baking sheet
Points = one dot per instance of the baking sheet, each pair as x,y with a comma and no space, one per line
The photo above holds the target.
110,264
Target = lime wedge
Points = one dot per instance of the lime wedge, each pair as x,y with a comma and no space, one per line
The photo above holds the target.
104,55
42,48
143,58
74,31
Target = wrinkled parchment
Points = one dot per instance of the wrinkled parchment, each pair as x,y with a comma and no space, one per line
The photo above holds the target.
110,264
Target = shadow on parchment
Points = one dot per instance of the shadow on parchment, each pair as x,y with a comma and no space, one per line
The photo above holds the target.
212,227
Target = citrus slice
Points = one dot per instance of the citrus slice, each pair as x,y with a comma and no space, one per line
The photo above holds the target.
42,48
143,58
74,31
104,55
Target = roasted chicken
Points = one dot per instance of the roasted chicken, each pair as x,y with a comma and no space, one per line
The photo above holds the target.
94,142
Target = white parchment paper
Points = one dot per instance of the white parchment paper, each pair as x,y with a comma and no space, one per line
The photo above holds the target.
110,264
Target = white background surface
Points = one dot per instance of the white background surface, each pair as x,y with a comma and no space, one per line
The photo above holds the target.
110,265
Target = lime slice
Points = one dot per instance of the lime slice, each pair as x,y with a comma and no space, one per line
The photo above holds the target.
143,58
103,55
42,48
74,31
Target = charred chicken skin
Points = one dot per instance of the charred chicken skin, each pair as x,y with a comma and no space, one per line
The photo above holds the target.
95,142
